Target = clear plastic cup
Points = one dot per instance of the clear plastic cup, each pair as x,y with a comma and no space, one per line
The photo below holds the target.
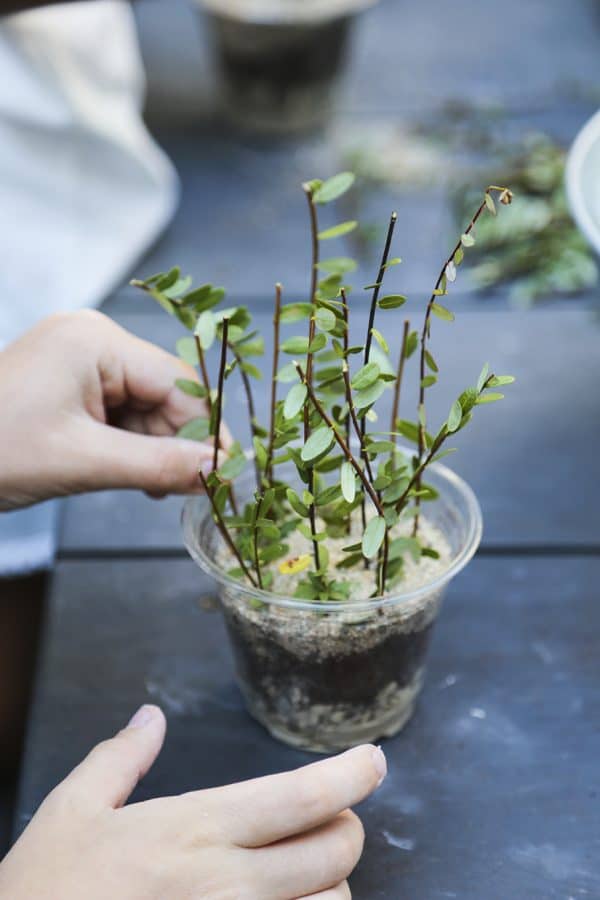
327,676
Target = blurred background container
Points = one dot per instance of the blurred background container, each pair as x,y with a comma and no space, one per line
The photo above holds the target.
279,61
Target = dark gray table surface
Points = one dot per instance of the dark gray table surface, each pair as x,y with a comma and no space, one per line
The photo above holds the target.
493,786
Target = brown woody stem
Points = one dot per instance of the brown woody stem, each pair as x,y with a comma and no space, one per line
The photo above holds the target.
219,397
257,507
251,408
369,339
427,325
314,232
378,283
203,371
346,342
342,443
223,529
276,323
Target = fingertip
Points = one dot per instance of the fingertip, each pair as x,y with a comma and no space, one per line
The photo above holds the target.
147,714
373,757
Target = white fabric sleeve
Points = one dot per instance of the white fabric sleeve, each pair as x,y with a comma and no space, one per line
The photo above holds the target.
85,189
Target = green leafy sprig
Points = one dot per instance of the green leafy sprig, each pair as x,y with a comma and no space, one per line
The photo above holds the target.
351,482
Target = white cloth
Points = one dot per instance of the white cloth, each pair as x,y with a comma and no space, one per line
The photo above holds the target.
84,189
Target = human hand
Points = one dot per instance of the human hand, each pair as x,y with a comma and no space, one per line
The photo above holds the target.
86,406
283,837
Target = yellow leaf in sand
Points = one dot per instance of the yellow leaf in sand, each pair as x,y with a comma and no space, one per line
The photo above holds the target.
295,564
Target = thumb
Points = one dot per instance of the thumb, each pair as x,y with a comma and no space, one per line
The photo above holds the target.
157,465
108,775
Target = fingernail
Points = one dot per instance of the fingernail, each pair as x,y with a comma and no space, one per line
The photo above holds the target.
143,716
380,763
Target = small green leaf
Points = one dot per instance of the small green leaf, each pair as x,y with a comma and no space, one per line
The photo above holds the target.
412,342
180,287
186,350
318,342
380,340
408,430
458,256
260,453
295,312
272,552
498,380
467,240
455,416
395,261
489,398
348,481
193,388
428,381
318,442
329,495
366,376
429,551
350,561
489,202
294,401
294,500
382,482
232,467
363,399
391,301
311,535
325,319
203,298
467,399
443,453
295,346
337,230
441,312
375,447
396,489
251,370
337,265
329,287
483,377
373,537
206,329
169,279
334,187
431,363
195,430
287,373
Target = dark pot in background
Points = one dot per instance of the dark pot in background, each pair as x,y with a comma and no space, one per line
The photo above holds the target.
279,61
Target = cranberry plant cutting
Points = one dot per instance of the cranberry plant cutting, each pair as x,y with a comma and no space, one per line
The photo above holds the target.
326,467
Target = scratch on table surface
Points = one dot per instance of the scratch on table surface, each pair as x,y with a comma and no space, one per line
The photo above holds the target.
181,699
544,652
554,862
449,681
400,843
491,725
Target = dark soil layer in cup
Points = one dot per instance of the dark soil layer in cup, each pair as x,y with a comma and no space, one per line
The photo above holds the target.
358,681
